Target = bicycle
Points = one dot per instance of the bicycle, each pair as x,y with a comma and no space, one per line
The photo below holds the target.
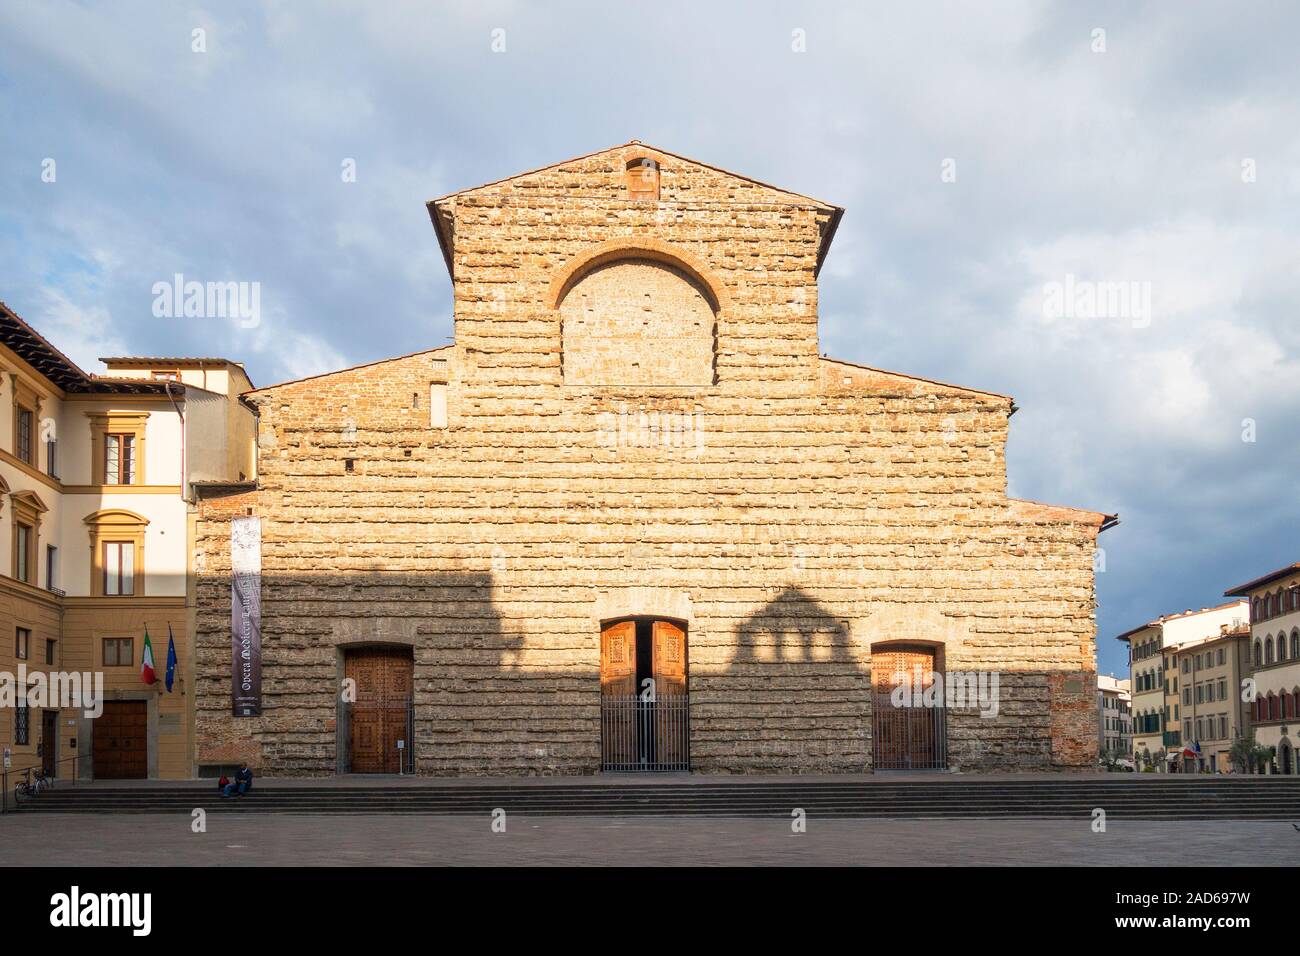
32,784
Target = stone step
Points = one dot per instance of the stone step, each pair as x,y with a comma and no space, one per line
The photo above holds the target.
1251,798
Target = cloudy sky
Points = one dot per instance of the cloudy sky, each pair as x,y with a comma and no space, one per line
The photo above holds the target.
983,156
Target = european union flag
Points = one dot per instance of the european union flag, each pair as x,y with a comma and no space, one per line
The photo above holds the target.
171,657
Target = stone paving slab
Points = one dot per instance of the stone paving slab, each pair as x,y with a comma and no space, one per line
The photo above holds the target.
392,840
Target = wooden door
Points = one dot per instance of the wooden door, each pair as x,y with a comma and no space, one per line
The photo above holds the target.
618,659
910,736
121,741
669,658
50,742
384,680
671,733
618,725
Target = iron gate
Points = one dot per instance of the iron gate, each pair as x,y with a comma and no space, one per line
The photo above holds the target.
908,738
640,736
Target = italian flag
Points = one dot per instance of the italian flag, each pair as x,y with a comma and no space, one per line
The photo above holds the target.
146,661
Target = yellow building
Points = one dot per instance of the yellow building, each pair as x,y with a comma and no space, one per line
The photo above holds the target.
1154,665
1275,652
1211,712
96,479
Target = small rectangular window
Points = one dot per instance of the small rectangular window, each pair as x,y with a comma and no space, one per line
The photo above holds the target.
119,459
119,570
119,651
22,643
51,567
22,724
24,446
437,405
52,458
23,552
51,651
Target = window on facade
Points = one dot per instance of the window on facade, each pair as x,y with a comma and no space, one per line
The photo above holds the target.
1223,728
51,567
24,447
119,567
119,651
22,643
118,555
1187,665
1223,689
52,458
1222,656
119,459
118,447
643,179
51,651
24,535
1295,644
27,511
22,725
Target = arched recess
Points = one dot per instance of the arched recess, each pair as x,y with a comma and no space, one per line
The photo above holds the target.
637,312
637,247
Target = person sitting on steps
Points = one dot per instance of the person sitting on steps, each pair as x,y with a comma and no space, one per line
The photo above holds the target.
241,784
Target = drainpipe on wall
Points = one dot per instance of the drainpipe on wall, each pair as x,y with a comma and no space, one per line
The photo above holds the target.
167,387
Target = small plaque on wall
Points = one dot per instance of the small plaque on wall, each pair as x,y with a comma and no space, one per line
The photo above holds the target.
169,723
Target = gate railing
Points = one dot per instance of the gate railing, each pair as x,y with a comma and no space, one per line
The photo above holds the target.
908,738
645,736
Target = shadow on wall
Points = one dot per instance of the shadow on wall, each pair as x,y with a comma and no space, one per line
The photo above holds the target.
798,694
795,695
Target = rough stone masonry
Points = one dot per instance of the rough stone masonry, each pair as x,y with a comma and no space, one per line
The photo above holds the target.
635,419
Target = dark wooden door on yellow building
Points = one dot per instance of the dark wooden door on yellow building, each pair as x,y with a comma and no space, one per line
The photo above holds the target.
121,741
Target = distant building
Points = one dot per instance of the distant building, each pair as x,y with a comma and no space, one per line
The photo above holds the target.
1155,685
1115,719
1275,653
1211,711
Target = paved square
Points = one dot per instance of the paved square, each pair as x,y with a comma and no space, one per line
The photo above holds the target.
266,839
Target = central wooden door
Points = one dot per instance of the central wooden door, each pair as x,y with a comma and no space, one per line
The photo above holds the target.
670,692
618,732
381,713
906,733
121,741
644,701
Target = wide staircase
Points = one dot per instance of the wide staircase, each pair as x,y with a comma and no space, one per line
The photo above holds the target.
1130,797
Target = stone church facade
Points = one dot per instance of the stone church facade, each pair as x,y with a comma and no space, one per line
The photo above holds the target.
634,477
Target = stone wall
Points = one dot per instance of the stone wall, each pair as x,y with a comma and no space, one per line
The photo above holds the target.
793,514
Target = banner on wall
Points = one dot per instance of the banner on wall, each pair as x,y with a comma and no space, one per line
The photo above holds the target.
246,615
